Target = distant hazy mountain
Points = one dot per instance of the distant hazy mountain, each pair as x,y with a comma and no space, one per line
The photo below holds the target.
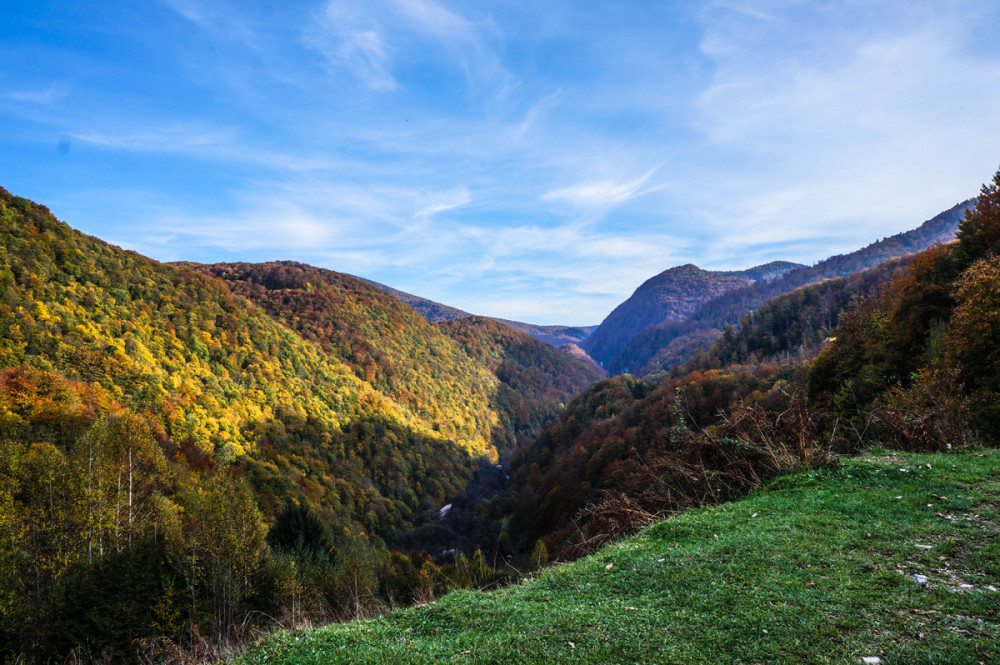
554,335
673,295
661,346
435,312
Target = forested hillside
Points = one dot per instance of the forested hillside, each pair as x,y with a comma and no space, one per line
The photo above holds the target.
387,344
158,421
670,296
533,377
210,371
188,450
907,355
921,363
473,379
798,322
659,347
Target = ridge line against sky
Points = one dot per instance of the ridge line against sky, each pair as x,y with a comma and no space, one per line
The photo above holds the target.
531,161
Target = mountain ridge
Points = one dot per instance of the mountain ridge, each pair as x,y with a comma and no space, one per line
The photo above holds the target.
282,423
657,347
251,434
671,295
435,312
303,365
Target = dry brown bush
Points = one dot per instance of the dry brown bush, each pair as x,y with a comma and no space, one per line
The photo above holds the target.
931,415
750,446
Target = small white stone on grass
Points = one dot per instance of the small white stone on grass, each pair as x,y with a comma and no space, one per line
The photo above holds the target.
871,660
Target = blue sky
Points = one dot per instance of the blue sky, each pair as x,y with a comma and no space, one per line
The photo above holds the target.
529,160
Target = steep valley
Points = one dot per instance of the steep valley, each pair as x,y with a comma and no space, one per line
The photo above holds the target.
281,441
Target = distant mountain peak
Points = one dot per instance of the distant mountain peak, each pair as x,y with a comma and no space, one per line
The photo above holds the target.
659,346
672,295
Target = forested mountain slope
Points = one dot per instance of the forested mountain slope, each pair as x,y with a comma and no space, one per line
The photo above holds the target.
285,354
659,347
156,420
796,323
670,296
907,355
472,378
146,412
210,371
535,380
386,343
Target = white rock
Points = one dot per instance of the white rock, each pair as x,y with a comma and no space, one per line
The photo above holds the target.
871,660
921,579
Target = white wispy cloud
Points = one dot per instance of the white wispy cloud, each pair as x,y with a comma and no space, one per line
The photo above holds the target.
281,228
370,37
47,95
603,194
445,202
175,138
217,17
862,133
349,38
526,160
190,9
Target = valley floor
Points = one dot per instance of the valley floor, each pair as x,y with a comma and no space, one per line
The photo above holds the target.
891,555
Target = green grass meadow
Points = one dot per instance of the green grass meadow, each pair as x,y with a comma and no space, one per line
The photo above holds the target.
815,568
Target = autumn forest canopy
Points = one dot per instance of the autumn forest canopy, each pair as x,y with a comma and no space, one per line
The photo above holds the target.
193,453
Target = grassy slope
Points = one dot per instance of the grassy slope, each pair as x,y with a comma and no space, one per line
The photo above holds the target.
819,575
